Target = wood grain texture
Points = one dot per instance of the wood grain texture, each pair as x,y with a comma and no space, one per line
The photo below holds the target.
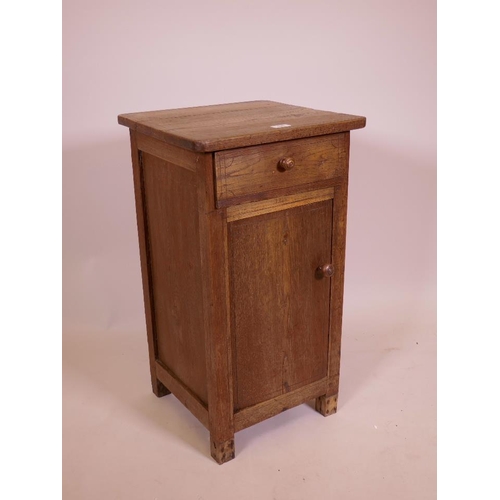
242,232
279,308
223,451
337,295
172,154
262,411
215,287
175,259
326,405
228,126
245,171
278,193
157,386
247,210
190,400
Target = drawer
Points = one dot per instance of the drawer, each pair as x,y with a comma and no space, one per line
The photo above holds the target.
261,172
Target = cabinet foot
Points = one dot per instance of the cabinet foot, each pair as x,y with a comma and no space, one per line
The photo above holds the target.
159,389
326,405
223,451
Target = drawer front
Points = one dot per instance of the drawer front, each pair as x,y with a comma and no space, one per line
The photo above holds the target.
256,172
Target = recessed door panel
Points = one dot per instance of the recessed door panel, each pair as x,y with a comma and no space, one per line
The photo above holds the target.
279,303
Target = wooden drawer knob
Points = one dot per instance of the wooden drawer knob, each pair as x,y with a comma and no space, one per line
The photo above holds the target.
325,271
286,164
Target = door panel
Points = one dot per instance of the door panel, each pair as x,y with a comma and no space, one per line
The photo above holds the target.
279,309
174,253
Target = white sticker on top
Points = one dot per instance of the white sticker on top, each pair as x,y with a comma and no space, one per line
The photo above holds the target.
281,125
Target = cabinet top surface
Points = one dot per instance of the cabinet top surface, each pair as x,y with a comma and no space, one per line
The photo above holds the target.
228,126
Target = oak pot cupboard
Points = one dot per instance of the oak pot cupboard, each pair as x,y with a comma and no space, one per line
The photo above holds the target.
241,214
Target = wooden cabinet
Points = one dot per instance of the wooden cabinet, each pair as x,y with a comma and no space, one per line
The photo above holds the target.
241,212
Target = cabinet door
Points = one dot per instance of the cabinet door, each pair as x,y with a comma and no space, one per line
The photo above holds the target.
279,304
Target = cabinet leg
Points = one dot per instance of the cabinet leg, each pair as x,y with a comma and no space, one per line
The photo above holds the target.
159,389
326,405
222,451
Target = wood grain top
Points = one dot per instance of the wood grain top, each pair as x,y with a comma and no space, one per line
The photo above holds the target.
228,126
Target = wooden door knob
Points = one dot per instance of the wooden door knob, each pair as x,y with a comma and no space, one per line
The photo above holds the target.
286,164
325,271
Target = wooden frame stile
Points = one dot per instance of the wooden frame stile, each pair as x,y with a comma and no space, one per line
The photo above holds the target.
216,305
327,403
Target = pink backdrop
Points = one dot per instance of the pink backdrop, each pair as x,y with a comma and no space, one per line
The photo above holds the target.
365,57
375,59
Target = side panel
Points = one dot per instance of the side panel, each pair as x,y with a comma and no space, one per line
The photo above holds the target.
279,307
172,229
